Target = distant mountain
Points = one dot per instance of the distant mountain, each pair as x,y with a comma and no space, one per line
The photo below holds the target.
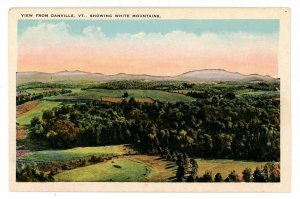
208,75
217,75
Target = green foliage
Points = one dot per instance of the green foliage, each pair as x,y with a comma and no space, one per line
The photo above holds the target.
207,128
31,173
24,96
145,85
259,175
269,173
247,175
232,177
207,177
218,178
180,173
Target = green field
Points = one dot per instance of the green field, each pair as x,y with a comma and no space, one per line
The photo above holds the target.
96,94
225,166
143,168
36,112
75,153
127,169
256,92
40,90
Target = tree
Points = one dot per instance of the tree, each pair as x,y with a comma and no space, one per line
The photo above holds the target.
247,175
186,162
36,129
180,173
194,171
191,178
207,177
230,95
34,121
125,94
232,177
132,102
47,115
274,170
218,177
259,175
66,133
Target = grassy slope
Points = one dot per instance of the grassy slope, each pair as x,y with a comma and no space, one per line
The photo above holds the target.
74,153
130,171
37,111
225,166
139,168
161,170
98,93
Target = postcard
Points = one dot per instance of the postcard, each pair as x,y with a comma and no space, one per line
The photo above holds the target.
150,99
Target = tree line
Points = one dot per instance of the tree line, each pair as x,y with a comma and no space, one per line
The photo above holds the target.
23,97
187,171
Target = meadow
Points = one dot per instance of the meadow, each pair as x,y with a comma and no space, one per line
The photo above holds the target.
36,111
224,166
127,169
96,94
143,168
58,156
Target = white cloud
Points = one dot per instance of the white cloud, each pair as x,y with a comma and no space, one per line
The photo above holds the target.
43,32
93,32
59,33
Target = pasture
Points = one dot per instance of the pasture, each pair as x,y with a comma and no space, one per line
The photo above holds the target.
139,168
97,94
35,111
75,153
225,166
119,100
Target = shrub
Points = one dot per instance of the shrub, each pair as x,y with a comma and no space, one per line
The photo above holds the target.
218,177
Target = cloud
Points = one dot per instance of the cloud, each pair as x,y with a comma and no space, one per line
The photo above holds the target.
93,32
177,50
44,32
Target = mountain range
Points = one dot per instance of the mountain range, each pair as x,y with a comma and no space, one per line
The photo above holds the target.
207,75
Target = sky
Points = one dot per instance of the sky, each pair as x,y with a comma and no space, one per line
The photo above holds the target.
153,47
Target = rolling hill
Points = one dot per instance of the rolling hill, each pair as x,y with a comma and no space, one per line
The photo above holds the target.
207,75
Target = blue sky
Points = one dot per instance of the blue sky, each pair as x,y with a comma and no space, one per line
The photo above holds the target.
113,27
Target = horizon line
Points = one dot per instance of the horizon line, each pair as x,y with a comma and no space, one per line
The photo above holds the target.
140,74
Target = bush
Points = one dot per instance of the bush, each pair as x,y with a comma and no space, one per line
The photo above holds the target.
232,177
259,175
247,175
207,177
218,177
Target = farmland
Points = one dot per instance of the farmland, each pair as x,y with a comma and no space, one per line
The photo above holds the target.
97,94
35,111
24,108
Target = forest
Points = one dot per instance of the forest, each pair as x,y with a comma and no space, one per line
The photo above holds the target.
239,128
